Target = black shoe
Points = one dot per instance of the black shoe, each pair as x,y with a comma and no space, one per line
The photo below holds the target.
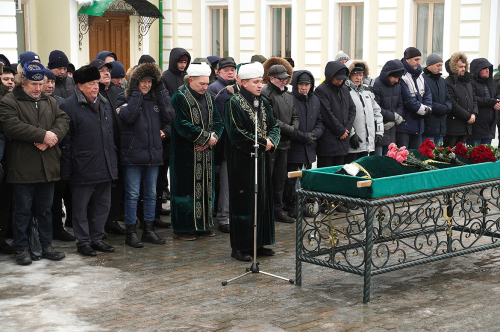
164,197
23,257
241,255
282,217
113,227
292,214
265,252
184,236
164,212
101,246
132,239
161,224
86,250
51,254
224,228
5,248
207,233
149,234
62,235
167,194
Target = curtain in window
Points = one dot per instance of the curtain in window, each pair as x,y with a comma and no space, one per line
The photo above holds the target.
437,29
216,32
276,37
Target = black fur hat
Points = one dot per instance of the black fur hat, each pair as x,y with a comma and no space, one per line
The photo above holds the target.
86,74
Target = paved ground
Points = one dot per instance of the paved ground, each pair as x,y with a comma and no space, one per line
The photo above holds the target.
177,287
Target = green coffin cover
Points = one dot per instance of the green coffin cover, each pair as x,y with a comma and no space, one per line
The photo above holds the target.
326,180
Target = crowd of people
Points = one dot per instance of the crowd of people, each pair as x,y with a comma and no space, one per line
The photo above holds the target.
109,142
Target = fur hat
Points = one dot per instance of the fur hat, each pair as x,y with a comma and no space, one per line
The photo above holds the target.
454,60
276,61
140,72
352,64
86,74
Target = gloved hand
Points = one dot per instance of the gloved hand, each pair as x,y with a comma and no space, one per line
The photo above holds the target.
389,125
378,140
312,138
428,112
354,141
133,85
398,118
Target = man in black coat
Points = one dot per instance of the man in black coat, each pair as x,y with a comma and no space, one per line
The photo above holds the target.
89,160
463,99
302,153
387,91
338,112
435,123
58,63
488,102
178,63
286,116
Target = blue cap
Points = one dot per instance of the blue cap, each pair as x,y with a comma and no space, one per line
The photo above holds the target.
27,57
118,70
50,75
34,71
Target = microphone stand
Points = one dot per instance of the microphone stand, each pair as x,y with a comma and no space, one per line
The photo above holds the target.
254,268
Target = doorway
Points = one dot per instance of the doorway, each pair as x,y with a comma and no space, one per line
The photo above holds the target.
111,33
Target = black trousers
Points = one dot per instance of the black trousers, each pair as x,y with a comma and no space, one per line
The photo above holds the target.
5,208
330,161
451,141
117,197
290,194
354,156
278,172
59,190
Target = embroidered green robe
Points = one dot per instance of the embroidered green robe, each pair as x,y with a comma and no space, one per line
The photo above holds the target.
192,172
239,121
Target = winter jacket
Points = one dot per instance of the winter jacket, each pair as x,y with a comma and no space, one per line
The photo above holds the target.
110,94
221,90
284,113
173,78
388,97
65,87
496,78
337,111
88,150
462,96
141,117
435,124
487,96
368,121
303,147
416,96
25,121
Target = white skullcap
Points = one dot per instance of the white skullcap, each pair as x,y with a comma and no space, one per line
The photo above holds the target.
251,70
199,69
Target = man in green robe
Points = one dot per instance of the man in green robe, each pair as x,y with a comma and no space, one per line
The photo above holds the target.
195,131
240,112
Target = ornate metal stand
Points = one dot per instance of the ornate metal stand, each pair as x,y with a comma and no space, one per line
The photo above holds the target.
388,234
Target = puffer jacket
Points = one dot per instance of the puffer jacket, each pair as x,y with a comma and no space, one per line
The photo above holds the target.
388,97
303,148
88,151
284,113
25,121
416,96
141,117
463,98
337,111
435,124
368,121
487,95
173,78
65,87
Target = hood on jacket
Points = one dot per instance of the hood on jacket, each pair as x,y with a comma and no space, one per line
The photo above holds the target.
295,78
451,64
391,68
145,70
276,61
332,68
104,54
351,63
175,54
479,64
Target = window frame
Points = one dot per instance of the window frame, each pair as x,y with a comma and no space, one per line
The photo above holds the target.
430,27
283,29
221,29
353,5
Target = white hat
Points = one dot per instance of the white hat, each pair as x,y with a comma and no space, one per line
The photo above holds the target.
251,70
199,69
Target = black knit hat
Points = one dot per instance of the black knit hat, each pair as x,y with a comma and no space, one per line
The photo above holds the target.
57,59
411,52
71,68
146,58
86,74
118,70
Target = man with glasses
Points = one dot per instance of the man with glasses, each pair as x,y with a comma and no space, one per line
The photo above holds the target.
286,116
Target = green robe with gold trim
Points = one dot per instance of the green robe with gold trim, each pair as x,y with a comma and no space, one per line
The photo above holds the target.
192,172
239,121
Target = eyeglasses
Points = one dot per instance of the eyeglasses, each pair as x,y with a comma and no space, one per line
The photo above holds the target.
281,79
104,70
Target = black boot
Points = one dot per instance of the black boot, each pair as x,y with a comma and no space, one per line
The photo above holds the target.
114,227
132,239
149,234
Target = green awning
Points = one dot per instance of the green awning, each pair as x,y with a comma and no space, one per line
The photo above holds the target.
138,7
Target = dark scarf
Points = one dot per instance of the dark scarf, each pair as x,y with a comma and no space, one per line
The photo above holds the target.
435,77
